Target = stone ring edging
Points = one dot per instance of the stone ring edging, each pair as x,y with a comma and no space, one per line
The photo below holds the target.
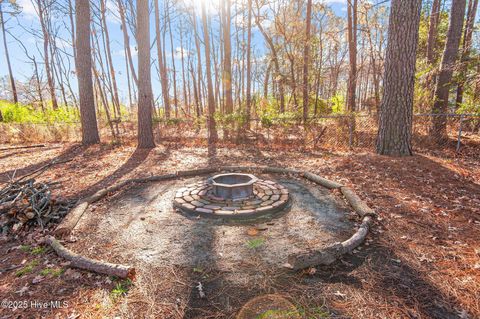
323,256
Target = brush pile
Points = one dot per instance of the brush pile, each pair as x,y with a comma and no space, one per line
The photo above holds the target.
30,203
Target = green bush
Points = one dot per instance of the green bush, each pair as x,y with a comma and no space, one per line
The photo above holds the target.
19,113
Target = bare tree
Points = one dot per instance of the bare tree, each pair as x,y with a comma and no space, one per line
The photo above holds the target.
249,64
227,56
161,65
306,53
43,8
145,97
126,40
84,73
396,108
7,57
212,130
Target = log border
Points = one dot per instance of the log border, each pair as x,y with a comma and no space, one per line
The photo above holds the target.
323,256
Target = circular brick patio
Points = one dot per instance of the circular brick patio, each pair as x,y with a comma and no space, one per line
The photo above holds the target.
199,199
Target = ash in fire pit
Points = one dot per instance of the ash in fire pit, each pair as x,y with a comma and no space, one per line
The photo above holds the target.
232,195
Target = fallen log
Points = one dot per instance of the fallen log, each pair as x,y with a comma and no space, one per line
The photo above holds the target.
71,220
329,254
356,202
89,264
21,147
321,181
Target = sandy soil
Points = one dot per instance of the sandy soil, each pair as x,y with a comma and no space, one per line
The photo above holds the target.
421,260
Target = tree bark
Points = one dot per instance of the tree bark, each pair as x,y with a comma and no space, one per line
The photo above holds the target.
432,31
227,58
51,83
109,58
161,65
396,108
352,52
249,64
212,131
126,40
7,57
306,52
145,98
466,46
84,74
449,58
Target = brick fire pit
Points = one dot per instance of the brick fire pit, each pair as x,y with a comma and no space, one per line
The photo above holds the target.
232,195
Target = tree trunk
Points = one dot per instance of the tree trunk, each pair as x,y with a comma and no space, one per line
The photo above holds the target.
278,76
84,74
116,100
199,68
7,57
396,108
51,83
126,40
174,72
306,52
161,65
145,98
352,52
432,31
227,58
249,64
450,55
466,46
212,131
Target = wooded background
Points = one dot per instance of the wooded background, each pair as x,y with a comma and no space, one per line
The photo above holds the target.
238,64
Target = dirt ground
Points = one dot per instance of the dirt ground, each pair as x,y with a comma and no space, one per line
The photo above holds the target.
421,260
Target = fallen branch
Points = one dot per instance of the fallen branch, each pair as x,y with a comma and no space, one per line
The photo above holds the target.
357,203
89,264
329,254
21,147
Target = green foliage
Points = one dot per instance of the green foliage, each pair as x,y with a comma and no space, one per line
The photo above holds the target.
25,248
27,269
121,288
55,272
231,121
338,104
277,314
313,312
18,113
38,250
255,243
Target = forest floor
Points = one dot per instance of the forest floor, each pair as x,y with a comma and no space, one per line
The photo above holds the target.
421,260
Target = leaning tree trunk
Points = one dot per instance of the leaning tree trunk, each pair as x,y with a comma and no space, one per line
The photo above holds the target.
450,54
145,98
395,125
84,73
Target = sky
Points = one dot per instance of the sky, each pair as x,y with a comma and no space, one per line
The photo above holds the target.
28,19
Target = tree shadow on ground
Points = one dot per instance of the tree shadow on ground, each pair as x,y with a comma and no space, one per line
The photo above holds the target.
138,157
68,154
